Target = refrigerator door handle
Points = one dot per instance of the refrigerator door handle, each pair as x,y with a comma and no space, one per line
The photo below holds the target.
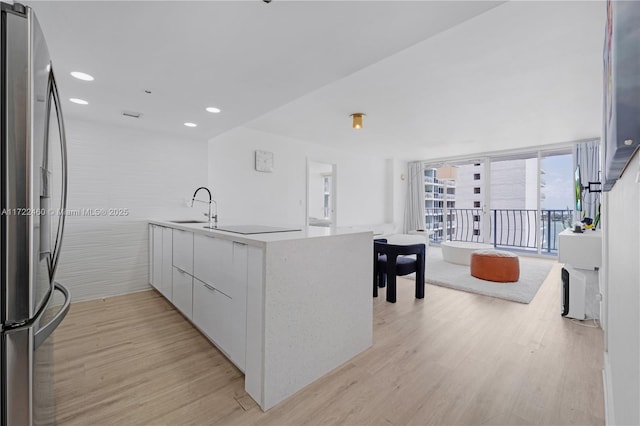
44,332
53,94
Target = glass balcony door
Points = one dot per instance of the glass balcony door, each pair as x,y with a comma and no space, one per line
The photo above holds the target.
520,201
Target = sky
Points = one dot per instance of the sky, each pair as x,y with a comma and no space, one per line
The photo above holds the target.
559,183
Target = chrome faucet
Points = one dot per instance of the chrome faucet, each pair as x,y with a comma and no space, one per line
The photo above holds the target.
211,201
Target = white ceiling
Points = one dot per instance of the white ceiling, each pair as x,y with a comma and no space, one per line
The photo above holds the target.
245,57
520,75
436,79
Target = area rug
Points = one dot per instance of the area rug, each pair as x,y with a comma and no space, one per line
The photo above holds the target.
533,272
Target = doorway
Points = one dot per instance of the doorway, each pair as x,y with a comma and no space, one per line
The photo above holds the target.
321,190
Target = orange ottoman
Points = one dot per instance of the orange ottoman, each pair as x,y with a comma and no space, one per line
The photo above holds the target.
494,265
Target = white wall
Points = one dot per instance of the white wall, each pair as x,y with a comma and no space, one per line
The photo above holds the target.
246,196
109,167
396,190
622,296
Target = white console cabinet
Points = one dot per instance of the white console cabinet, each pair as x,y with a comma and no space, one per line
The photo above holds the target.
580,250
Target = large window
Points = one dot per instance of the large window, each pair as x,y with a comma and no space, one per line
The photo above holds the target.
521,202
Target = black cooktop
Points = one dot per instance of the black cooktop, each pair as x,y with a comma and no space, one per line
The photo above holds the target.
255,229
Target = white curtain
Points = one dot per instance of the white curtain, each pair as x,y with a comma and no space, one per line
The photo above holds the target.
414,211
587,156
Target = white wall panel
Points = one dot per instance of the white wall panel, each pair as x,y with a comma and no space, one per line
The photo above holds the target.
151,175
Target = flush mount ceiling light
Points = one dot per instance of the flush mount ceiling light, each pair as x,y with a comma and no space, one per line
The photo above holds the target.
190,124
79,101
82,76
213,110
357,119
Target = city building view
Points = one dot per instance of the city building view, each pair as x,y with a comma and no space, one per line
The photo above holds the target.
523,203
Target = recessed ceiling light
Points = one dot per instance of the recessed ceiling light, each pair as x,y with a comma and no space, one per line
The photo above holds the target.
82,76
79,101
190,124
213,110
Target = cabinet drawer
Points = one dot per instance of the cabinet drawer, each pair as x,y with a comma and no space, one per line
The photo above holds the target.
213,314
183,292
212,262
183,250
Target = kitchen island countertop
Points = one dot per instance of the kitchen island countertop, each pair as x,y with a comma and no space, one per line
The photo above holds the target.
260,240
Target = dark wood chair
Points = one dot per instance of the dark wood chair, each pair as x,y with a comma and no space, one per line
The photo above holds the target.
390,261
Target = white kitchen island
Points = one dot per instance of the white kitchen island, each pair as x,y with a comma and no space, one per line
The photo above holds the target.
285,307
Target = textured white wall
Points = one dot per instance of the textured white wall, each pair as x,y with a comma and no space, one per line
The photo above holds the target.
246,196
622,271
109,167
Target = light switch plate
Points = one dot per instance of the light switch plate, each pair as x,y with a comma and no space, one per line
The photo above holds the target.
264,161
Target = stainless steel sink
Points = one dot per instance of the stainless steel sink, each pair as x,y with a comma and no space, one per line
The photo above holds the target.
188,221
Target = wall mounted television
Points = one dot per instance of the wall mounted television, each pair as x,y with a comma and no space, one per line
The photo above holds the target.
621,89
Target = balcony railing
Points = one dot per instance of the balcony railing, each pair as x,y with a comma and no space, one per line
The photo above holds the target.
516,228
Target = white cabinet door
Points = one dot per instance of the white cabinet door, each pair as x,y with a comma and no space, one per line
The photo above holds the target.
183,250
212,262
167,263
213,314
156,256
183,292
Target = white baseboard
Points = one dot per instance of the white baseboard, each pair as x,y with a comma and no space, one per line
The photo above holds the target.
607,387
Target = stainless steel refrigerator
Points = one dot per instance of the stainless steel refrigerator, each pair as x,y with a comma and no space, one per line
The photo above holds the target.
33,163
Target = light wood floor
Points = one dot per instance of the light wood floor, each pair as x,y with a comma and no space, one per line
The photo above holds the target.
452,358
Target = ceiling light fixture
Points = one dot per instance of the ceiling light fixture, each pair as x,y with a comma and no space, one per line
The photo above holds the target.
78,101
190,124
213,110
82,76
357,120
